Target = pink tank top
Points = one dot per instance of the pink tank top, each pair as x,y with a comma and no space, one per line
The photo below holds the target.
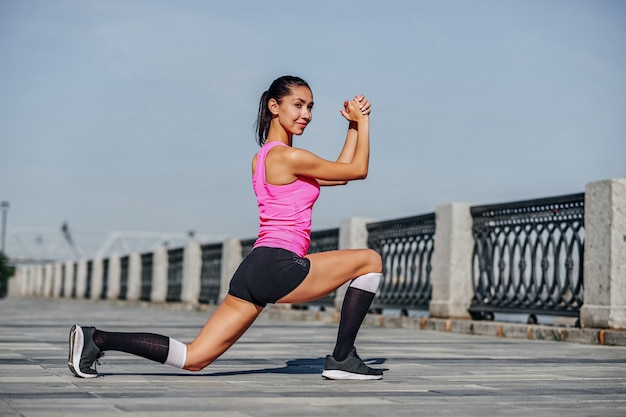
284,210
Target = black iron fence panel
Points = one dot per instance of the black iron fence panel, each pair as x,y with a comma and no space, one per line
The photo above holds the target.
406,247
62,269
124,262
74,278
246,246
210,276
88,280
323,241
146,276
528,256
174,274
105,279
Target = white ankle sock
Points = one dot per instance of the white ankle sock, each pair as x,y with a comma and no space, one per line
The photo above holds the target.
177,354
368,282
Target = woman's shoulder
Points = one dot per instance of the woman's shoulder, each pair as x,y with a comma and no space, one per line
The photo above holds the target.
255,158
278,149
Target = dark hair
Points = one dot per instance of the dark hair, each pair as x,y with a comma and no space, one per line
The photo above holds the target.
280,88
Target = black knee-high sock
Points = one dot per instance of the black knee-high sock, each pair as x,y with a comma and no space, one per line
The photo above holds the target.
356,304
147,345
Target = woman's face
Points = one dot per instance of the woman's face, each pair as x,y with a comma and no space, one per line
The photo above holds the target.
295,110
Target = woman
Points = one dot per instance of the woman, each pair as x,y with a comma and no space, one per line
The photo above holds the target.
286,181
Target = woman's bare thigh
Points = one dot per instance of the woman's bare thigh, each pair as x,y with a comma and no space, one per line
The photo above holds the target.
330,270
227,324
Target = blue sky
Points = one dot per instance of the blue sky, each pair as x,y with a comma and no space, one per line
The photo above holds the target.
139,114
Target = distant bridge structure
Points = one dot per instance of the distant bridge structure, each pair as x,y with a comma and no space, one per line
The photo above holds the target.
125,242
31,246
40,245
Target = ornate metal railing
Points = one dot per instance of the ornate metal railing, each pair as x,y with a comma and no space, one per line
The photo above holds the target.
124,261
105,279
74,279
406,247
323,241
174,274
246,246
211,272
146,276
528,257
62,269
89,278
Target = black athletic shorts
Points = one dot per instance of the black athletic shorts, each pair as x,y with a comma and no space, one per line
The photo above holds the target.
268,274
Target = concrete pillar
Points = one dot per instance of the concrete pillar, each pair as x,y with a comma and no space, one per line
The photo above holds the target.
69,279
15,284
48,275
352,235
29,276
96,278
37,282
57,280
604,266
30,282
231,258
134,276
28,273
192,270
451,277
81,278
114,277
159,275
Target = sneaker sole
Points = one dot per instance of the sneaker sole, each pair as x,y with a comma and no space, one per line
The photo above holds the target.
77,342
335,374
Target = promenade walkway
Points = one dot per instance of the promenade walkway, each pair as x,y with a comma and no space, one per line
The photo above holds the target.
274,370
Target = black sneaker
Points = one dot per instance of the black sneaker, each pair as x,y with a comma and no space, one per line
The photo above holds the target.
83,352
350,368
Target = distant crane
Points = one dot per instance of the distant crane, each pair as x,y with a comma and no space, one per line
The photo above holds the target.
65,229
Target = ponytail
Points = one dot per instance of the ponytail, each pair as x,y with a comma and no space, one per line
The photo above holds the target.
279,88
263,119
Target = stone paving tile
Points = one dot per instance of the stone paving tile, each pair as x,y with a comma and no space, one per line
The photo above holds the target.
275,371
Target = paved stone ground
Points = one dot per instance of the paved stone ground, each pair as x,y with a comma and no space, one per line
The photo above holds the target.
275,371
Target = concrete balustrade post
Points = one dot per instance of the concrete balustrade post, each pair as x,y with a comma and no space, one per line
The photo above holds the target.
32,283
160,263
15,284
57,280
192,270
114,277
604,266
352,235
25,284
231,258
36,283
96,278
68,279
48,275
21,282
451,276
28,283
81,278
133,291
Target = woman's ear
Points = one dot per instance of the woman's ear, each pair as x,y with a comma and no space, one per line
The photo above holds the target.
272,105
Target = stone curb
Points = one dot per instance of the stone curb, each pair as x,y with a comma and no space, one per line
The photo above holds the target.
607,337
480,328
